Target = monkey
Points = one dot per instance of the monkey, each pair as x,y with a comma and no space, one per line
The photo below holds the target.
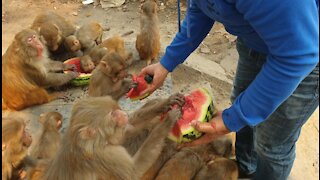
148,41
49,141
168,151
152,108
134,139
54,28
89,35
27,71
15,143
116,44
184,164
97,54
189,160
86,63
92,148
72,43
219,168
108,78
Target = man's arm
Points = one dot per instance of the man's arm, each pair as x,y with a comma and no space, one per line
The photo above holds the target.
182,46
290,30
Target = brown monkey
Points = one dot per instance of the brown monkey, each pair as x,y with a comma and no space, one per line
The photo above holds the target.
27,71
97,54
184,164
49,141
135,138
86,64
148,41
219,168
15,143
168,151
92,148
116,44
54,28
109,77
72,44
150,110
188,161
89,36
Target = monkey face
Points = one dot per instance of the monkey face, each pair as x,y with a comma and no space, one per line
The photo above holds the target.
88,66
29,38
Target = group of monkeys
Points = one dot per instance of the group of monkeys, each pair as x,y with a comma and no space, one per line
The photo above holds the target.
101,141
32,63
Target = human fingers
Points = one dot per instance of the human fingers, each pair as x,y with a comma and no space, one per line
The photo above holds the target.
203,126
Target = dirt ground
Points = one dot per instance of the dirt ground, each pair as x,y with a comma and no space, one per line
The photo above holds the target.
219,47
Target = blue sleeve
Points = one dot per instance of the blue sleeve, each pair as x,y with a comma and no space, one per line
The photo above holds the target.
290,30
182,46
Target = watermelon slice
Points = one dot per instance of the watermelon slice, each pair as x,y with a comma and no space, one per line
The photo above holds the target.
84,78
198,106
142,84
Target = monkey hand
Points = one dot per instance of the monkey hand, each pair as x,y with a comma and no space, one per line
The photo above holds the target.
174,114
73,74
159,74
129,84
71,67
212,129
174,101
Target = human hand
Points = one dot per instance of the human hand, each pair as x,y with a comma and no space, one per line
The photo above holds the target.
159,74
212,129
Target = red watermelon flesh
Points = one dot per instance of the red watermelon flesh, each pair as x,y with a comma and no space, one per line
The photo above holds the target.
134,93
75,61
198,106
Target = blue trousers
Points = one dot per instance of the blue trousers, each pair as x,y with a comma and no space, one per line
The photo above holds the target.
268,149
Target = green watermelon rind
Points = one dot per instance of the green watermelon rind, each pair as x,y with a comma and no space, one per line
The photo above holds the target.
206,115
82,80
139,97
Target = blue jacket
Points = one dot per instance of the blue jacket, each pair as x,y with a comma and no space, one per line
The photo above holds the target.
287,31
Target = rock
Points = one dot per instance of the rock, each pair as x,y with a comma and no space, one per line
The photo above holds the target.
205,50
75,13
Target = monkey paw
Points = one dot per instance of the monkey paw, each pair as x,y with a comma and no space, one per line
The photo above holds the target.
71,67
129,84
174,114
73,74
174,100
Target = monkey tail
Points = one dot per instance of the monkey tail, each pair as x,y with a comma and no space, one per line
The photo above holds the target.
127,33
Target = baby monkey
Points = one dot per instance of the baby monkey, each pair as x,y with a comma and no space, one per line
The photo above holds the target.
86,64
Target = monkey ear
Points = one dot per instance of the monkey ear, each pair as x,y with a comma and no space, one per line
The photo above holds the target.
87,133
105,66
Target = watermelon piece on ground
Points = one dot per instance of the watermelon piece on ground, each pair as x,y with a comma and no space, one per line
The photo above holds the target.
198,106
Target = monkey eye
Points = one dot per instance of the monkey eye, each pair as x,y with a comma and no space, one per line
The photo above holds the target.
34,36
